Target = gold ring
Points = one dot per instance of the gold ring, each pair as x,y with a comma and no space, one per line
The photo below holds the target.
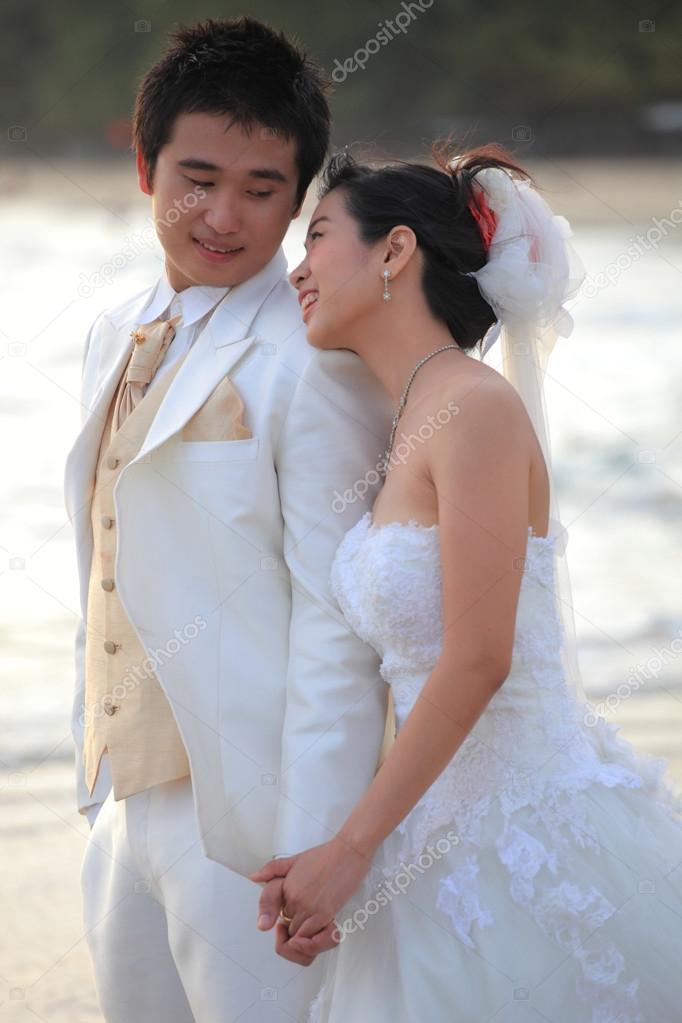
284,918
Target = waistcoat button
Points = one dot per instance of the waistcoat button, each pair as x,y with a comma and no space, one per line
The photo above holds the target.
110,646
112,461
107,521
107,584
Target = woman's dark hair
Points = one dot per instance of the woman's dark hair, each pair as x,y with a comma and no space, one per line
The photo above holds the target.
433,202
243,68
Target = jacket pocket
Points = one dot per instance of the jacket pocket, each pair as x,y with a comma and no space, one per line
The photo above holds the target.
215,450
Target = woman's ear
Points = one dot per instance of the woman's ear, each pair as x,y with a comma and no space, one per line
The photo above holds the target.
401,244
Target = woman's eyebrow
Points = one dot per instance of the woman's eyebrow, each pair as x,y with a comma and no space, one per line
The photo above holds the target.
310,227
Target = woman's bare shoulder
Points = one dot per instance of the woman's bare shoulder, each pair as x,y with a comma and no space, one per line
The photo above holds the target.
480,391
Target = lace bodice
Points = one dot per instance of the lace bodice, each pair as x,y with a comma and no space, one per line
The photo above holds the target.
387,580
531,745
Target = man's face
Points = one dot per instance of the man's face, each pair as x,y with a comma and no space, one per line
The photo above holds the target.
216,184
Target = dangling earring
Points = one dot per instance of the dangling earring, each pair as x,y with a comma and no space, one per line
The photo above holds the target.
387,293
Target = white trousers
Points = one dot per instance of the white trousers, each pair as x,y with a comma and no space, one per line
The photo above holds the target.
172,934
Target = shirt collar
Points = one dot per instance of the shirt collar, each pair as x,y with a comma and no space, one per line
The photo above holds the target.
193,302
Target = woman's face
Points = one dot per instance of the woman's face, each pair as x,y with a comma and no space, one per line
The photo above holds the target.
340,277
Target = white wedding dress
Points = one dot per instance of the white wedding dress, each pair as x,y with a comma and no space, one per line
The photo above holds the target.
540,877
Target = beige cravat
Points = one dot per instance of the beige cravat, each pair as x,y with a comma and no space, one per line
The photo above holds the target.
150,343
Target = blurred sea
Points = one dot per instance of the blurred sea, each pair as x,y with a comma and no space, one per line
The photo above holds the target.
614,397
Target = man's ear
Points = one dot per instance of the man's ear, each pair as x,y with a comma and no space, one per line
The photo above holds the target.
142,177
297,211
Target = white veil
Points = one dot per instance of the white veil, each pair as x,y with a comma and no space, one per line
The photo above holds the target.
531,271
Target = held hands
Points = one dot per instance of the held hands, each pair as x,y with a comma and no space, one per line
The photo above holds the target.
311,888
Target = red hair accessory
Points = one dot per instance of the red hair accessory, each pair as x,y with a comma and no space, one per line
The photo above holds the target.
484,217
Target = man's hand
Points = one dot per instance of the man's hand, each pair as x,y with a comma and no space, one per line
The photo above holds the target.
316,884
297,950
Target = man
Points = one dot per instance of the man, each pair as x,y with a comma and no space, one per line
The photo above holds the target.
224,712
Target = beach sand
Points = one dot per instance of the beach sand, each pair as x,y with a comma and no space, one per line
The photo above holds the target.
45,969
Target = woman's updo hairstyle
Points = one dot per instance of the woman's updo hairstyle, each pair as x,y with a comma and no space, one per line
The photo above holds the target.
433,202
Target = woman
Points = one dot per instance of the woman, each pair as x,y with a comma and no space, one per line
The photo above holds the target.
513,858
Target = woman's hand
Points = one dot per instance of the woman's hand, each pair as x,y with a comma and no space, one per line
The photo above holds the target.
317,884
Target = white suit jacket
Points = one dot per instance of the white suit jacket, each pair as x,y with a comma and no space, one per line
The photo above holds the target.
280,706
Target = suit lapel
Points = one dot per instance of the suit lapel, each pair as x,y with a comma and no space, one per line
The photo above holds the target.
221,344
215,352
81,461
202,370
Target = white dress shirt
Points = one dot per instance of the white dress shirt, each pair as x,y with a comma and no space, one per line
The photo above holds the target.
195,304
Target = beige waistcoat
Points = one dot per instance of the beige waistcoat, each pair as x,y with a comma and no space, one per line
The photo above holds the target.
127,712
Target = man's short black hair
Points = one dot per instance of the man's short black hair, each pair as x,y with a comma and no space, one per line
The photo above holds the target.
242,68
